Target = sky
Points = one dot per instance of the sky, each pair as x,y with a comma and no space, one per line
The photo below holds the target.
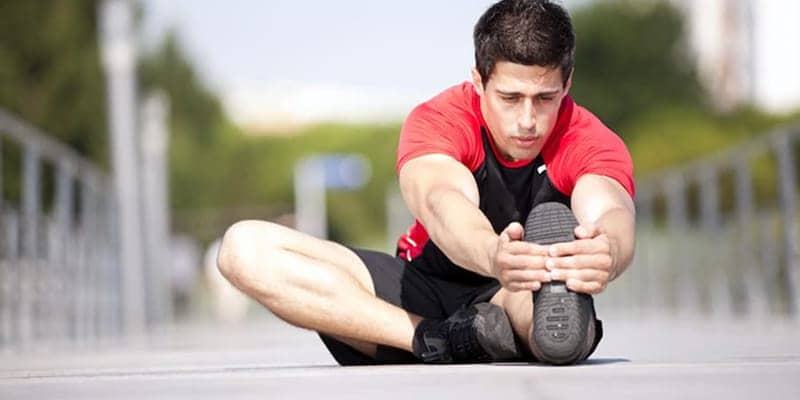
274,62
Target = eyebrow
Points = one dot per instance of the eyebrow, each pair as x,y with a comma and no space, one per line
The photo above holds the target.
514,94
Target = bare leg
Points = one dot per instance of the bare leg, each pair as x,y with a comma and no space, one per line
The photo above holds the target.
313,284
519,308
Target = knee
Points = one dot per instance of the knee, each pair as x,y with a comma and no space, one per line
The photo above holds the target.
244,248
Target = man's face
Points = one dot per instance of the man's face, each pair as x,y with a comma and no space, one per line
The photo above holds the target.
520,104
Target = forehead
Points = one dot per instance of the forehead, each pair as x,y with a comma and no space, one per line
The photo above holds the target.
512,77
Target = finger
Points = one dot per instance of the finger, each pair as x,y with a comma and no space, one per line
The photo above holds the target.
526,276
582,246
600,261
504,237
525,248
515,231
586,231
585,287
510,261
523,286
585,275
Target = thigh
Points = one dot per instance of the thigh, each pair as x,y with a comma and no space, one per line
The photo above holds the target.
263,233
396,283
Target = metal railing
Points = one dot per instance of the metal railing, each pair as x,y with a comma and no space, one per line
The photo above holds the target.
718,236
59,275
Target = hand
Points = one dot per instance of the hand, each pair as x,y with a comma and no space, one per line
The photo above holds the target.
585,264
518,265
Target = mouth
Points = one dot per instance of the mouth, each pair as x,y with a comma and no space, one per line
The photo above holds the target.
526,141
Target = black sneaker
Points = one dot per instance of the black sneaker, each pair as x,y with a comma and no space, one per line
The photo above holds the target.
563,320
480,333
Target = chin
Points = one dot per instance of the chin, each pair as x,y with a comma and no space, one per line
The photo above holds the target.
525,155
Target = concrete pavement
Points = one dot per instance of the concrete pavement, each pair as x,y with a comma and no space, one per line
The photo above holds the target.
653,358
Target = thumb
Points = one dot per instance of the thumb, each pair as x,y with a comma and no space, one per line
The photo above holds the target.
513,231
586,231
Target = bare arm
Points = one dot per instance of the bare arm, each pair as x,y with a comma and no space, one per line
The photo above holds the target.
604,203
604,243
442,194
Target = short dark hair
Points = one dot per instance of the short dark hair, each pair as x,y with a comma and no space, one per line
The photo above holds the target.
528,32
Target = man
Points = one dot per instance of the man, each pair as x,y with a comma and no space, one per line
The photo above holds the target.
469,283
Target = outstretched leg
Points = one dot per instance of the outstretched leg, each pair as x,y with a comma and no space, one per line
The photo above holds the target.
313,284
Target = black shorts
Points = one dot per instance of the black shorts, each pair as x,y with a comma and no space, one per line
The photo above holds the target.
408,286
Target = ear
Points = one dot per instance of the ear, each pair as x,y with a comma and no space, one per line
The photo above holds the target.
477,81
568,83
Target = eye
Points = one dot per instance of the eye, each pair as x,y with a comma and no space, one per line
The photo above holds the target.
509,99
547,99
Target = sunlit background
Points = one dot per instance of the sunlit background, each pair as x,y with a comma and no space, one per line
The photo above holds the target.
236,106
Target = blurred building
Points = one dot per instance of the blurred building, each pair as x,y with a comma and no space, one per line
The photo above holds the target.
747,50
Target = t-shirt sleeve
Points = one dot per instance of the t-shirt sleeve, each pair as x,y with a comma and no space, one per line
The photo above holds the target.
428,131
590,148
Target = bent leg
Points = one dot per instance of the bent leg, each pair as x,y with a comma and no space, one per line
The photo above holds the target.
313,284
519,308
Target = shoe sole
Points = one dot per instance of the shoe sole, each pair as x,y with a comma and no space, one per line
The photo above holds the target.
562,319
495,334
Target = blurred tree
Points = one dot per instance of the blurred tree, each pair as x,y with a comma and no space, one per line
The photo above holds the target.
197,125
632,58
50,71
196,111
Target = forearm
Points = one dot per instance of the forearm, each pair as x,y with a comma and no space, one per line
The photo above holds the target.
602,201
619,226
460,229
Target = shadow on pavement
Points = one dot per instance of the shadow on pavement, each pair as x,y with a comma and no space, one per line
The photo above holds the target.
603,361
591,361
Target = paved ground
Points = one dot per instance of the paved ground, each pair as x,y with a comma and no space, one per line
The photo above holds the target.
653,359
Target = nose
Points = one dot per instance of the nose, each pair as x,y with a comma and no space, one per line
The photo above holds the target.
527,118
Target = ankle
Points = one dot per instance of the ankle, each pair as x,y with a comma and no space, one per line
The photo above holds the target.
418,344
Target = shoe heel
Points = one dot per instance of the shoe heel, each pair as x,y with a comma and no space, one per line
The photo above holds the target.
495,333
561,326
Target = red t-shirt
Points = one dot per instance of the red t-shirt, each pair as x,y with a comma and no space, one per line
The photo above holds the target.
451,122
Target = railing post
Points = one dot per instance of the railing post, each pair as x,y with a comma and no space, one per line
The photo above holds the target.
681,259
718,281
46,286
6,320
62,261
155,213
84,263
116,322
647,292
752,284
788,198
2,193
12,279
29,261
119,54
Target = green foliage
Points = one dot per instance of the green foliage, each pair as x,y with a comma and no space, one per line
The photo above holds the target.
198,149
50,71
196,111
214,166
634,72
674,135
259,170
630,60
